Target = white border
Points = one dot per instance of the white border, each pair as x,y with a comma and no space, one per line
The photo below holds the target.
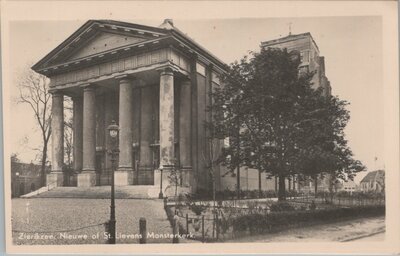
49,10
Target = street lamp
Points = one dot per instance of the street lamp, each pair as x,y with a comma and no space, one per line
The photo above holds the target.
113,130
16,185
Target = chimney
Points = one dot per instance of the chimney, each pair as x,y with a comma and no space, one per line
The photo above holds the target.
167,24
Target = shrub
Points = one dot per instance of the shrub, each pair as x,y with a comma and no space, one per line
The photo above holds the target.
270,194
260,223
322,194
198,209
281,207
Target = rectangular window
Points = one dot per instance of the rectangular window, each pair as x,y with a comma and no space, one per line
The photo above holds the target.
200,69
215,78
226,142
305,56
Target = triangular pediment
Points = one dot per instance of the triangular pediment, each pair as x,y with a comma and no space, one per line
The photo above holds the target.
100,41
97,37
103,42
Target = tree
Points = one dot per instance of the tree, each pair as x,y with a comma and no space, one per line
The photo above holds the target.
227,119
260,98
212,160
324,148
174,178
270,112
15,158
33,91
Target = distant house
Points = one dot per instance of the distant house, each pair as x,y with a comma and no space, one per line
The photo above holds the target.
25,178
373,181
349,186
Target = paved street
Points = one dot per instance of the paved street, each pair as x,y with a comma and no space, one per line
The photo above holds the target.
53,214
350,230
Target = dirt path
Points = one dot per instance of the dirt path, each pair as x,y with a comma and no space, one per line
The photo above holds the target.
367,229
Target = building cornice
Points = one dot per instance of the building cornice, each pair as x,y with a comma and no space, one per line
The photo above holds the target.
156,38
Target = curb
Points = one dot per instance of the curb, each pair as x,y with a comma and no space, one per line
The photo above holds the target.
363,236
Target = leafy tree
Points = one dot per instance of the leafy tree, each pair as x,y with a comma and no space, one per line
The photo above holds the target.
228,118
15,158
277,123
324,148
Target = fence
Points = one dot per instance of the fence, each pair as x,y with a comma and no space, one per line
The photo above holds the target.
340,201
213,224
216,222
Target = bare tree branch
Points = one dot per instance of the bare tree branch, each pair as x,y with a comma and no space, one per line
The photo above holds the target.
33,91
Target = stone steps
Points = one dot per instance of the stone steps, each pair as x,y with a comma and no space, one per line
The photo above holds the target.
102,192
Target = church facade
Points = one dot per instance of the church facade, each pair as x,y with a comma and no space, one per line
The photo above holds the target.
153,81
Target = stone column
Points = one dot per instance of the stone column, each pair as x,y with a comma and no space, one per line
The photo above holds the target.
166,126
136,133
185,131
78,132
87,178
56,177
122,175
167,119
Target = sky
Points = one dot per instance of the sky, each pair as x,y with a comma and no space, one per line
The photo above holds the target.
352,47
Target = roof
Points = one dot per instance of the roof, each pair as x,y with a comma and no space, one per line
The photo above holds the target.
166,32
349,183
288,38
373,176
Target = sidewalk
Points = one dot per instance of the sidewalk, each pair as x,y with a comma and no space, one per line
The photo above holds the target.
371,229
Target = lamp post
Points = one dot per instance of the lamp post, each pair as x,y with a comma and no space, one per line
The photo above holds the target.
113,130
160,195
16,184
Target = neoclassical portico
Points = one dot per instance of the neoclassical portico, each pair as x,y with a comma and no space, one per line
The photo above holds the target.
153,81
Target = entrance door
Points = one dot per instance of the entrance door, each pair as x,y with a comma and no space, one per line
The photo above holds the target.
21,189
100,169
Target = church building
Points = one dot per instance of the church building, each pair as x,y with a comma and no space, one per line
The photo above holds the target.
153,81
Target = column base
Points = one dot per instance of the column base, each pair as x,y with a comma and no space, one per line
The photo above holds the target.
123,177
87,179
55,179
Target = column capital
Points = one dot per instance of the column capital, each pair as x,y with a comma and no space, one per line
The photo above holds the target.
56,92
124,78
194,56
166,70
133,80
87,87
210,68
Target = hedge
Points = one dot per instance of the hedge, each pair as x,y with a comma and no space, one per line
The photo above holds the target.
259,223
